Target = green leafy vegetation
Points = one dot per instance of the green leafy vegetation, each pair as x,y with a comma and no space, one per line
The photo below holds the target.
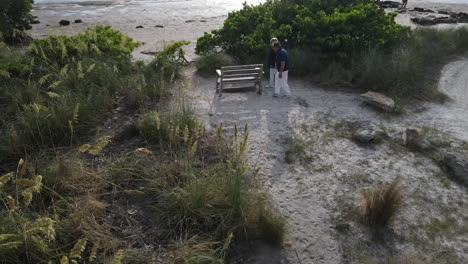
75,199
55,94
333,29
14,18
344,43
209,63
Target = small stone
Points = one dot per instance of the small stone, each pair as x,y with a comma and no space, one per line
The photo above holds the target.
457,165
159,26
64,22
203,21
190,21
35,22
132,211
78,21
140,26
415,141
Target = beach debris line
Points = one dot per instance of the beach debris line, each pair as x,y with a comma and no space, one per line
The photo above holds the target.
389,4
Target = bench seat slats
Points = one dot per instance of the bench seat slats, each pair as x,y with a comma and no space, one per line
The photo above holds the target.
239,79
229,76
239,74
251,66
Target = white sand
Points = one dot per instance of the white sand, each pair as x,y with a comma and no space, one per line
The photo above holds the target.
310,195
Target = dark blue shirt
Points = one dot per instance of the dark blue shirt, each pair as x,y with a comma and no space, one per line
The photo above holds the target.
280,57
272,58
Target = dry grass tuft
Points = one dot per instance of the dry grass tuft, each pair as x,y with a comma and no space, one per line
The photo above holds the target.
380,205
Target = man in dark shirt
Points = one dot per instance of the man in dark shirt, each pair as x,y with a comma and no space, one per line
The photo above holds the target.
271,63
282,66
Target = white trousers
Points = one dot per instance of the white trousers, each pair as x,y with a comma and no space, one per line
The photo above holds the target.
281,84
273,72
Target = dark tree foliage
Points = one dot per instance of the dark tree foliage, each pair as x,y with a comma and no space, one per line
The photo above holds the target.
14,18
337,29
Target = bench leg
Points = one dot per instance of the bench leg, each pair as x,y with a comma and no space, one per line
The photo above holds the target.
260,87
221,88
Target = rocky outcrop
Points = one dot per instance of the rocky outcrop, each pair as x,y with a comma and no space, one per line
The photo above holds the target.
423,21
424,10
379,101
389,4
462,17
432,20
453,17
457,166
64,22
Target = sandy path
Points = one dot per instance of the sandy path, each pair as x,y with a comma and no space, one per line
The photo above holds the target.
308,194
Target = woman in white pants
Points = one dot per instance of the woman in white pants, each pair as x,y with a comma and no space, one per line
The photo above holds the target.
282,66
271,63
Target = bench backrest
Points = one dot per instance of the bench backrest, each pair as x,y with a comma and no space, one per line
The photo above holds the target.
253,70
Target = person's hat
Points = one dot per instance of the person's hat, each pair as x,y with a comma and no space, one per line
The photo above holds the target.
276,44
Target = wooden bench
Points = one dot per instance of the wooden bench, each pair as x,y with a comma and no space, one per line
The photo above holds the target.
239,75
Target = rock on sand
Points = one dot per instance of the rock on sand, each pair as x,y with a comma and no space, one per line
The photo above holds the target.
380,101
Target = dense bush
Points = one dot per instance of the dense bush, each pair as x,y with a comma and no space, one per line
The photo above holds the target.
347,43
209,63
337,30
169,127
14,17
57,92
413,66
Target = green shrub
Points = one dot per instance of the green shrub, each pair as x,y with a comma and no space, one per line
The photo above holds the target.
209,63
340,30
172,127
63,87
14,18
99,41
169,61
220,200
